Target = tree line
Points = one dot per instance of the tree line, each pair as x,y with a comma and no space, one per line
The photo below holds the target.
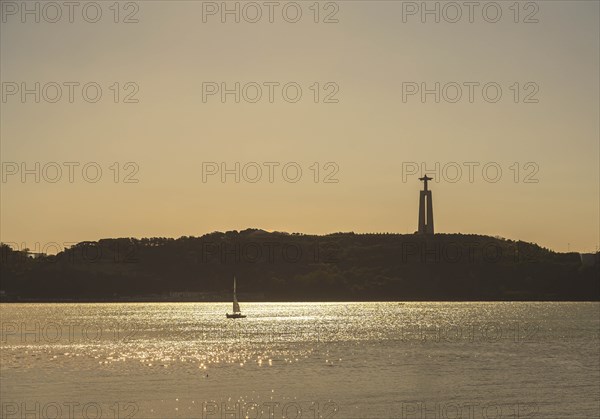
278,266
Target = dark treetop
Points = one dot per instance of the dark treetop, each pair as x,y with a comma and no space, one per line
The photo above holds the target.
296,267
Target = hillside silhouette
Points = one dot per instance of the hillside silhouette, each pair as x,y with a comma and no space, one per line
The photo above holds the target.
276,266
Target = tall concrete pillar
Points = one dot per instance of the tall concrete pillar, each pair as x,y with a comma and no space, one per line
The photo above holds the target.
422,222
429,213
425,209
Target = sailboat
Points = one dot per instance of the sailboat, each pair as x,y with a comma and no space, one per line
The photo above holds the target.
237,313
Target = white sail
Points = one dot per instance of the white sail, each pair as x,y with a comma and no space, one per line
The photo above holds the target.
236,305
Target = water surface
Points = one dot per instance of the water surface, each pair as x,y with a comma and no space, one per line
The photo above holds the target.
343,360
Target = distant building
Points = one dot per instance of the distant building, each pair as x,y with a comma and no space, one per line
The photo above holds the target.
35,255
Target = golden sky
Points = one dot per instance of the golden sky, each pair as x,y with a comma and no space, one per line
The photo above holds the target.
362,132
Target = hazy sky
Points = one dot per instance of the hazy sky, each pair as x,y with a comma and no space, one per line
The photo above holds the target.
375,51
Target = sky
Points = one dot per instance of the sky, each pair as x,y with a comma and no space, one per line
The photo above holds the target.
499,104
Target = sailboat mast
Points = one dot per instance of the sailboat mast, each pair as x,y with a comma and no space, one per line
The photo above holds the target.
237,313
236,306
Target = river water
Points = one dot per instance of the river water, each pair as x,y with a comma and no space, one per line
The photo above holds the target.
303,360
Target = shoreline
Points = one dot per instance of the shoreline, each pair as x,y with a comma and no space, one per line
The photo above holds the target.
283,301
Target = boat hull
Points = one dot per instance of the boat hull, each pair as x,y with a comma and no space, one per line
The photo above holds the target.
235,316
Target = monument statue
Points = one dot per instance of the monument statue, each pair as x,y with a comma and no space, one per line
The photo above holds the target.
425,208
